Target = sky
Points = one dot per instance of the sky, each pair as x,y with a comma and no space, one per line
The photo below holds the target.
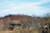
26,7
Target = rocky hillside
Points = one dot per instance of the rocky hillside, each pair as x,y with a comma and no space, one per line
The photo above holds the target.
21,19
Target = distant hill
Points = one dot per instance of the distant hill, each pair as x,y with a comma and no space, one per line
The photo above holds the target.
21,19
24,18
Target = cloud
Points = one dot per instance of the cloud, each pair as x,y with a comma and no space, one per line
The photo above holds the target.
45,1
28,8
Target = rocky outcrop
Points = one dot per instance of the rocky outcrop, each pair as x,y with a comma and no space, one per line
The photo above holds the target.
23,20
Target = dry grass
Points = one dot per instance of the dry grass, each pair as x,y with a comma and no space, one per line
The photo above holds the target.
20,31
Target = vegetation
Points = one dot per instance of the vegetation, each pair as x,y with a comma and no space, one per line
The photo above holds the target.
24,19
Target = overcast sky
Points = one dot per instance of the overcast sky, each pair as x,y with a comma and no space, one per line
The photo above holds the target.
26,7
